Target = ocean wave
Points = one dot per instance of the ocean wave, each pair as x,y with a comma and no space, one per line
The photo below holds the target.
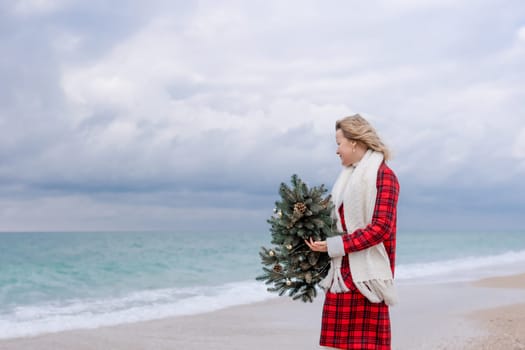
33,320
463,269
69,314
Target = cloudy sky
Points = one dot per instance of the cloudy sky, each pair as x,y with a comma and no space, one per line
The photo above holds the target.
186,115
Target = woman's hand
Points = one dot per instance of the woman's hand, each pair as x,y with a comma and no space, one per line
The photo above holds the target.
317,246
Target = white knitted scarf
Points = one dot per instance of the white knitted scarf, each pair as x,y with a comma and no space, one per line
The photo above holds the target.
356,189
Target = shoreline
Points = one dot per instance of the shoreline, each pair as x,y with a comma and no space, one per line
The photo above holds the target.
466,315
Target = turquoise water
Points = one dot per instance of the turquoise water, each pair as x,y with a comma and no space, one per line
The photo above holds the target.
43,266
56,281
417,247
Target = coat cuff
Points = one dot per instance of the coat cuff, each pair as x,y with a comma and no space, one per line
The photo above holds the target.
335,246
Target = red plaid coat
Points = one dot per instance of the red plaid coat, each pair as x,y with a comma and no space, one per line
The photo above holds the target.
349,320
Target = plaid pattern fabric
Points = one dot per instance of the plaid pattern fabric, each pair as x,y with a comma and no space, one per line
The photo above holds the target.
349,320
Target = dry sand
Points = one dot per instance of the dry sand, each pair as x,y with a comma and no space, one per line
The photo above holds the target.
505,325
505,328
433,316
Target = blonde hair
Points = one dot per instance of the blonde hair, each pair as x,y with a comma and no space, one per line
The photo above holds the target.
359,129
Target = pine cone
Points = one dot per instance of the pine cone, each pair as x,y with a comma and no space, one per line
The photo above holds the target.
299,208
308,277
277,268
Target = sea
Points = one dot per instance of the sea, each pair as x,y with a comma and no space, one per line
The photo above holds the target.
55,281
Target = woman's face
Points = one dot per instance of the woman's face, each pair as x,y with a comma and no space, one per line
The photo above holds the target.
346,149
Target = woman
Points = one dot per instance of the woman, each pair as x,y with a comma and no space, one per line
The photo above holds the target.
360,281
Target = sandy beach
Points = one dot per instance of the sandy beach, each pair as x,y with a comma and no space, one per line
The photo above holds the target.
487,314
505,325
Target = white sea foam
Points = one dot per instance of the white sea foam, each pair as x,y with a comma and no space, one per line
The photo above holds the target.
139,306
463,269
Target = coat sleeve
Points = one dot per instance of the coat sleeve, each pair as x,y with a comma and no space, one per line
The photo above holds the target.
384,217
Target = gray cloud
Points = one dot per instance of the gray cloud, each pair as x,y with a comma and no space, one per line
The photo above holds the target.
135,116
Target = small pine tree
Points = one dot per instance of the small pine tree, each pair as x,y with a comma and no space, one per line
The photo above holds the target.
290,265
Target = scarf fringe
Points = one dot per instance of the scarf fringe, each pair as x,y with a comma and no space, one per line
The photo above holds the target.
375,290
334,280
379,290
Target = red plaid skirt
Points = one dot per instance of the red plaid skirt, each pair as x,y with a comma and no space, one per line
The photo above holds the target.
350,321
